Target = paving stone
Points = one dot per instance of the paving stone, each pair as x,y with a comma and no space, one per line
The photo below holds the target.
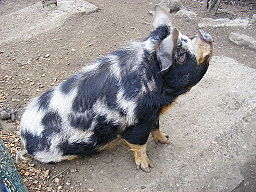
36,19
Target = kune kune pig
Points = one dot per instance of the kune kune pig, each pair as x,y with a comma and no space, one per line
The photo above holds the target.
119,97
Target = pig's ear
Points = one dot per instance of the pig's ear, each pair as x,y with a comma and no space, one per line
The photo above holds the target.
161,16
166,50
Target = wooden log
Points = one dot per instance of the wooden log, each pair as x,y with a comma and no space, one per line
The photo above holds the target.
212,5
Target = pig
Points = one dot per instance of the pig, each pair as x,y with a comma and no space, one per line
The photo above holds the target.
119,97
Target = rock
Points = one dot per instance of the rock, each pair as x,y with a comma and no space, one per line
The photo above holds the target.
56,180
4,115
191,15
59,187
173,5
243,40
47,55
224,22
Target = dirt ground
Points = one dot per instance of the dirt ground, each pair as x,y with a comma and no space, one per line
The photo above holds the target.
28,68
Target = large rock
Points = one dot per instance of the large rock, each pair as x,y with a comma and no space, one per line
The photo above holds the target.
191,15
33,20
243,40
173,5
224,22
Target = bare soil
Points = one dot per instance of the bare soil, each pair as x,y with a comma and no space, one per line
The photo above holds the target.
27,71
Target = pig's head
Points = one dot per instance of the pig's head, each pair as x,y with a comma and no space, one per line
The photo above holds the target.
183,60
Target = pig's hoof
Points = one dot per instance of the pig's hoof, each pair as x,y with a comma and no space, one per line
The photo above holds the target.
160,137
143,163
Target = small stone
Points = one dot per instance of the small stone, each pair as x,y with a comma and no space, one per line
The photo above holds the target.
47,55
56,180
59,187
73,170
46,173
5,115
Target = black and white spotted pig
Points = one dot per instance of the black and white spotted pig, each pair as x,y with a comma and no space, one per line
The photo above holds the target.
119,96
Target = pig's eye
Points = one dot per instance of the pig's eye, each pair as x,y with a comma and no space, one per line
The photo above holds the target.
180,56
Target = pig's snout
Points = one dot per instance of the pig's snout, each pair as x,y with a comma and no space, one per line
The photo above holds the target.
205,36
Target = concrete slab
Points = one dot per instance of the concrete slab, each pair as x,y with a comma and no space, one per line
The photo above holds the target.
243,40
34,19
210,133
224,22
213,135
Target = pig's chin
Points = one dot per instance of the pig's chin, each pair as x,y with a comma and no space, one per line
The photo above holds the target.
200,72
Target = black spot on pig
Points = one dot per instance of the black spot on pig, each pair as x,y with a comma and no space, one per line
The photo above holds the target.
160,33
132,85
101,85
82,122
105,131
44,100
34,143
69,84
125,56
120,53
78,148
52,123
